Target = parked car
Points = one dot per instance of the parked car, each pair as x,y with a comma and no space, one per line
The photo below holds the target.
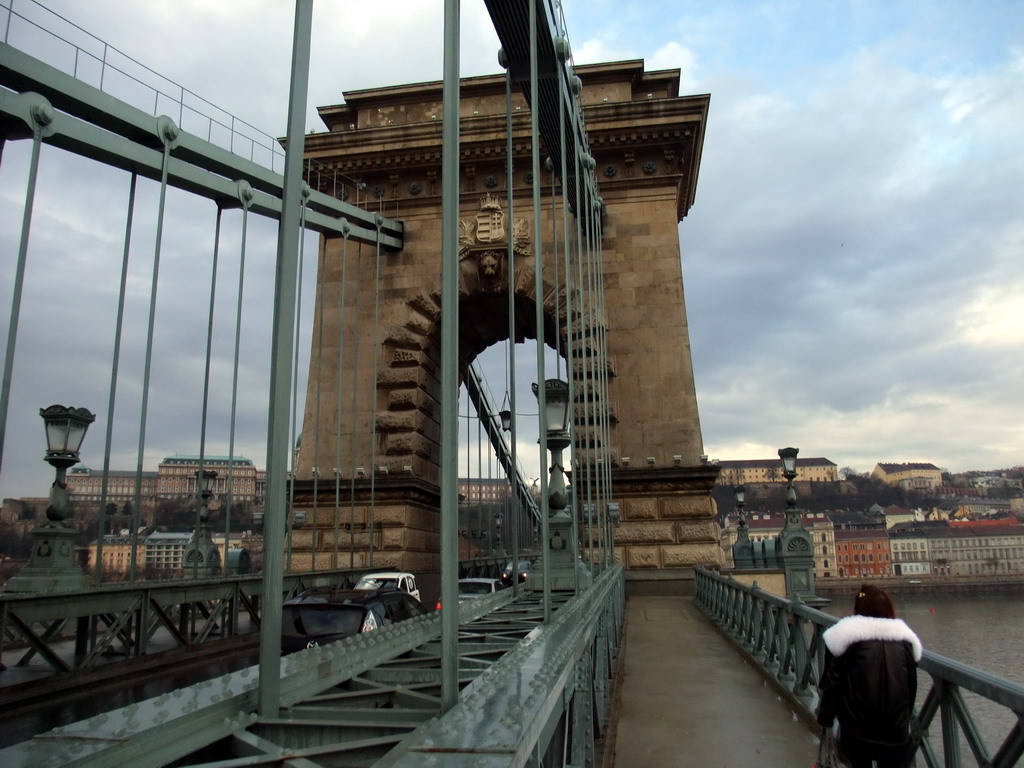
472,588
522,569
401,580
323,615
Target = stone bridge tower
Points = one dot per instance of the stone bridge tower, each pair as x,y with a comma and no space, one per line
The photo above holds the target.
647,143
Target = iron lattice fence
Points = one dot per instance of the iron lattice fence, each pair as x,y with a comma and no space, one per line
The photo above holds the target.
783,638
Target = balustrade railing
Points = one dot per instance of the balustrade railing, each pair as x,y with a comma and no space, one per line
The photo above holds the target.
783,638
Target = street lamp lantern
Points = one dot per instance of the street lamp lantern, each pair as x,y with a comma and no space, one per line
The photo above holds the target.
506,419
206,482
740,491
65,431
788,456
556,404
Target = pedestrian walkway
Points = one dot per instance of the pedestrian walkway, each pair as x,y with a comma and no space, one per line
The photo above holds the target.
688,698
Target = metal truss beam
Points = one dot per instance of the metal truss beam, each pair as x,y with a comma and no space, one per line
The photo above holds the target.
375,699
94,124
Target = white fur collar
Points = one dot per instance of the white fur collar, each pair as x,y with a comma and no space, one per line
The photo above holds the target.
852,629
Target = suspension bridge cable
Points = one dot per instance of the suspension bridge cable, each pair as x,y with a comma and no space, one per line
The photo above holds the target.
322,280
379,220
245,196
168,134
345,230
205,410
538,296
112,397
517,506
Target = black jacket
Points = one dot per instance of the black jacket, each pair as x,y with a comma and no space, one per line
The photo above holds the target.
870,679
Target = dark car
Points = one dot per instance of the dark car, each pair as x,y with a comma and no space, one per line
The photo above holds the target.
320,616
522,569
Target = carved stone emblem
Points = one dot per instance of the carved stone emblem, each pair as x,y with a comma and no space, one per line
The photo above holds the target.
488,228
490,221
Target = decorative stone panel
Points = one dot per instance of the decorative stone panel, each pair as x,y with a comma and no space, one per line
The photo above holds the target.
688,555
640,509
642,533
707,531
685,506
642,557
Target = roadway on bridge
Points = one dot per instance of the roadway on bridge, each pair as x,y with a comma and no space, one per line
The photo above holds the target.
688,698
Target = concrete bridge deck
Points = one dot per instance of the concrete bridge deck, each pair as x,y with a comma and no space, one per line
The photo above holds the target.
688,698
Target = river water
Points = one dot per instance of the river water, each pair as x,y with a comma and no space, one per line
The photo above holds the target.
984,631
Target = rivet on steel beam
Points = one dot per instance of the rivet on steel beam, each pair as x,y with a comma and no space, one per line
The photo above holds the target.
562,50
41,112
167,130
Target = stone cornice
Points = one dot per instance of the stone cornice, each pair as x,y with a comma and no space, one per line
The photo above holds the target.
640,482
404,489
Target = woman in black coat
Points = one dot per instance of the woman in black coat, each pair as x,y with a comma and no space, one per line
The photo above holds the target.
870,681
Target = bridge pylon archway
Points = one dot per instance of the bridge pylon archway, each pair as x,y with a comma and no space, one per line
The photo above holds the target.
378,359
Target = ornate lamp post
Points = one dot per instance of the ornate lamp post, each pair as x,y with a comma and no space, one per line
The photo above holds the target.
795,546
556,399
51,568
202,557
742,549
561,545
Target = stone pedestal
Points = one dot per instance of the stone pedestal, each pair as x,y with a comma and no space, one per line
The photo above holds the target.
202,557
51,567
565,565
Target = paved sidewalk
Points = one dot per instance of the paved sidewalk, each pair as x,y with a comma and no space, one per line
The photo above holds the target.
689,699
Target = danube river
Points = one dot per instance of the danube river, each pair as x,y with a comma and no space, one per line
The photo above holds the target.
984,631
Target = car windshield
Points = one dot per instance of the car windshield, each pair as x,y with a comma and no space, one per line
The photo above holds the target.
524,565
376,582
314,620
474,587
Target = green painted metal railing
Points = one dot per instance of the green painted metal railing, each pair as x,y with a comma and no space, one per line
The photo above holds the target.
531,694
783,638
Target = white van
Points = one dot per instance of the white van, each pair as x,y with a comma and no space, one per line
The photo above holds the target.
389,580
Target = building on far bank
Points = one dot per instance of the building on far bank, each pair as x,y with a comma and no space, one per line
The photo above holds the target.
751,471
86,484
177,477
863,552
913,476
481,490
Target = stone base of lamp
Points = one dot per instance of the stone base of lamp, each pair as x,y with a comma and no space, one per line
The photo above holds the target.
51,568
202,557
565,565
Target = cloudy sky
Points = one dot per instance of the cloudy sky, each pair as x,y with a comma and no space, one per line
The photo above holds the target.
853,262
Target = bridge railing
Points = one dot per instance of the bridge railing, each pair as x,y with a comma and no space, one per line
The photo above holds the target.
543,700
129,620
783,638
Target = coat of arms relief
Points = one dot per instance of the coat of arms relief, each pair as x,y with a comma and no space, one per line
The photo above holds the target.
484,240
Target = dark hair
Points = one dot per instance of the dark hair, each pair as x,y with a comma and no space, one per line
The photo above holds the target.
874,601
